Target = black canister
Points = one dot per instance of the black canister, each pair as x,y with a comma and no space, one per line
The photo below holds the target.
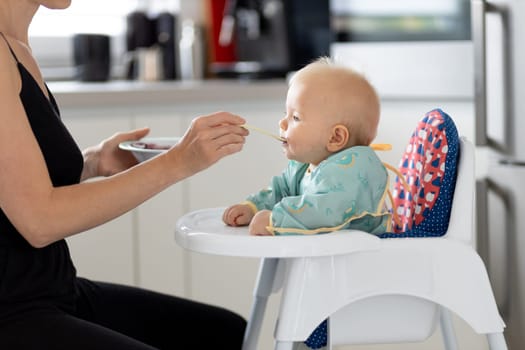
92,56
166,23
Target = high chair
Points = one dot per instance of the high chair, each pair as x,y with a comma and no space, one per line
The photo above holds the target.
367,289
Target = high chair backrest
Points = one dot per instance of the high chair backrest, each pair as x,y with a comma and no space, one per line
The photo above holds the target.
429,167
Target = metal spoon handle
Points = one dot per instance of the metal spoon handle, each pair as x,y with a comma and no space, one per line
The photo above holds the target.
262,131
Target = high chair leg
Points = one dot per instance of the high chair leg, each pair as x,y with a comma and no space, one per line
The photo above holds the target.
262,290
447,329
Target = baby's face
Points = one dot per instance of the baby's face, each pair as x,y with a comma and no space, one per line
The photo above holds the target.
307,124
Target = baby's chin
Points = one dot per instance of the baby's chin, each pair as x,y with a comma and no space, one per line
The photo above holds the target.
292,157
288,155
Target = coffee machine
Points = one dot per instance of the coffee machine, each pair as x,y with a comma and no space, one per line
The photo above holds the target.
150,44
273,37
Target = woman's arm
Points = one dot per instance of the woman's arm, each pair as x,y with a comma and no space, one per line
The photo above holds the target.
44,214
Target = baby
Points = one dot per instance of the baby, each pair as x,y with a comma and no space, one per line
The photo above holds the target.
334,180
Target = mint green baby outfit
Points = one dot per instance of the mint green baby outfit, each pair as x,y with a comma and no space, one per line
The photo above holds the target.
348,190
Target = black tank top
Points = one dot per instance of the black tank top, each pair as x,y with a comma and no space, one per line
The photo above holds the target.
45,276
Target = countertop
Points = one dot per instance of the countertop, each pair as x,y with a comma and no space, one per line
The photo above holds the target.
72,94
124,94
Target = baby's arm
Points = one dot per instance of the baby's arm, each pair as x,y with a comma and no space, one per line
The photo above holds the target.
238,215
242,214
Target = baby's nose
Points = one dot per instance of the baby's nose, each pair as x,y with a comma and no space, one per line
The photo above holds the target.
283,124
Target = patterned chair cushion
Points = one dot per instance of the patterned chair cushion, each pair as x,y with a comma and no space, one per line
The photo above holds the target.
429,167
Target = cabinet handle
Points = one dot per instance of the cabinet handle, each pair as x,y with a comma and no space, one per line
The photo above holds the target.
483,187
479,10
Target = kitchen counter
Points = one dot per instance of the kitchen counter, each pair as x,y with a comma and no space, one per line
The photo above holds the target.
123,94
73,94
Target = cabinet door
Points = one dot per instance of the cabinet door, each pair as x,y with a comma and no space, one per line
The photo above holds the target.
104,253
162,262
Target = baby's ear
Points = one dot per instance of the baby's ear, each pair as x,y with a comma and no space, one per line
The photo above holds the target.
338,139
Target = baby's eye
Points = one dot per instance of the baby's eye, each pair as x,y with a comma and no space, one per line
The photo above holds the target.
295,118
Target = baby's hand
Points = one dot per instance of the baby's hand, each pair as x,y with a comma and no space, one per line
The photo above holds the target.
237,215
259,223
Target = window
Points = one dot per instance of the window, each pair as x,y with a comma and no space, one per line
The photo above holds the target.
400,20
51,31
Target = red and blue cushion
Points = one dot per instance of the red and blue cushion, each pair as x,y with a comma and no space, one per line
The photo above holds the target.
429,167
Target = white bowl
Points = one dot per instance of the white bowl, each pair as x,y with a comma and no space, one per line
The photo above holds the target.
149,147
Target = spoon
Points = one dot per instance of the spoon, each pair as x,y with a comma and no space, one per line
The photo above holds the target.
374,146
264,132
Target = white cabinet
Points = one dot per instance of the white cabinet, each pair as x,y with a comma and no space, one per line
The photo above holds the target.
106,252
161,262
137,248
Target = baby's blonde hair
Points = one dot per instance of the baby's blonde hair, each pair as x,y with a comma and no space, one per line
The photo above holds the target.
357,101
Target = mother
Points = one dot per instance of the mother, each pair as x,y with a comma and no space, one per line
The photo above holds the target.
43,200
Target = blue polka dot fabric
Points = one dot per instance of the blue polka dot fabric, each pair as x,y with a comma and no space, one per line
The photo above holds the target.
319,337
429,165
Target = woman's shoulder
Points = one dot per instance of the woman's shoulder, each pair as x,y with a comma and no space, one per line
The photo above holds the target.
9,79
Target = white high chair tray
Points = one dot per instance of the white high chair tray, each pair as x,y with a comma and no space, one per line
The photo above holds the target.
204,231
